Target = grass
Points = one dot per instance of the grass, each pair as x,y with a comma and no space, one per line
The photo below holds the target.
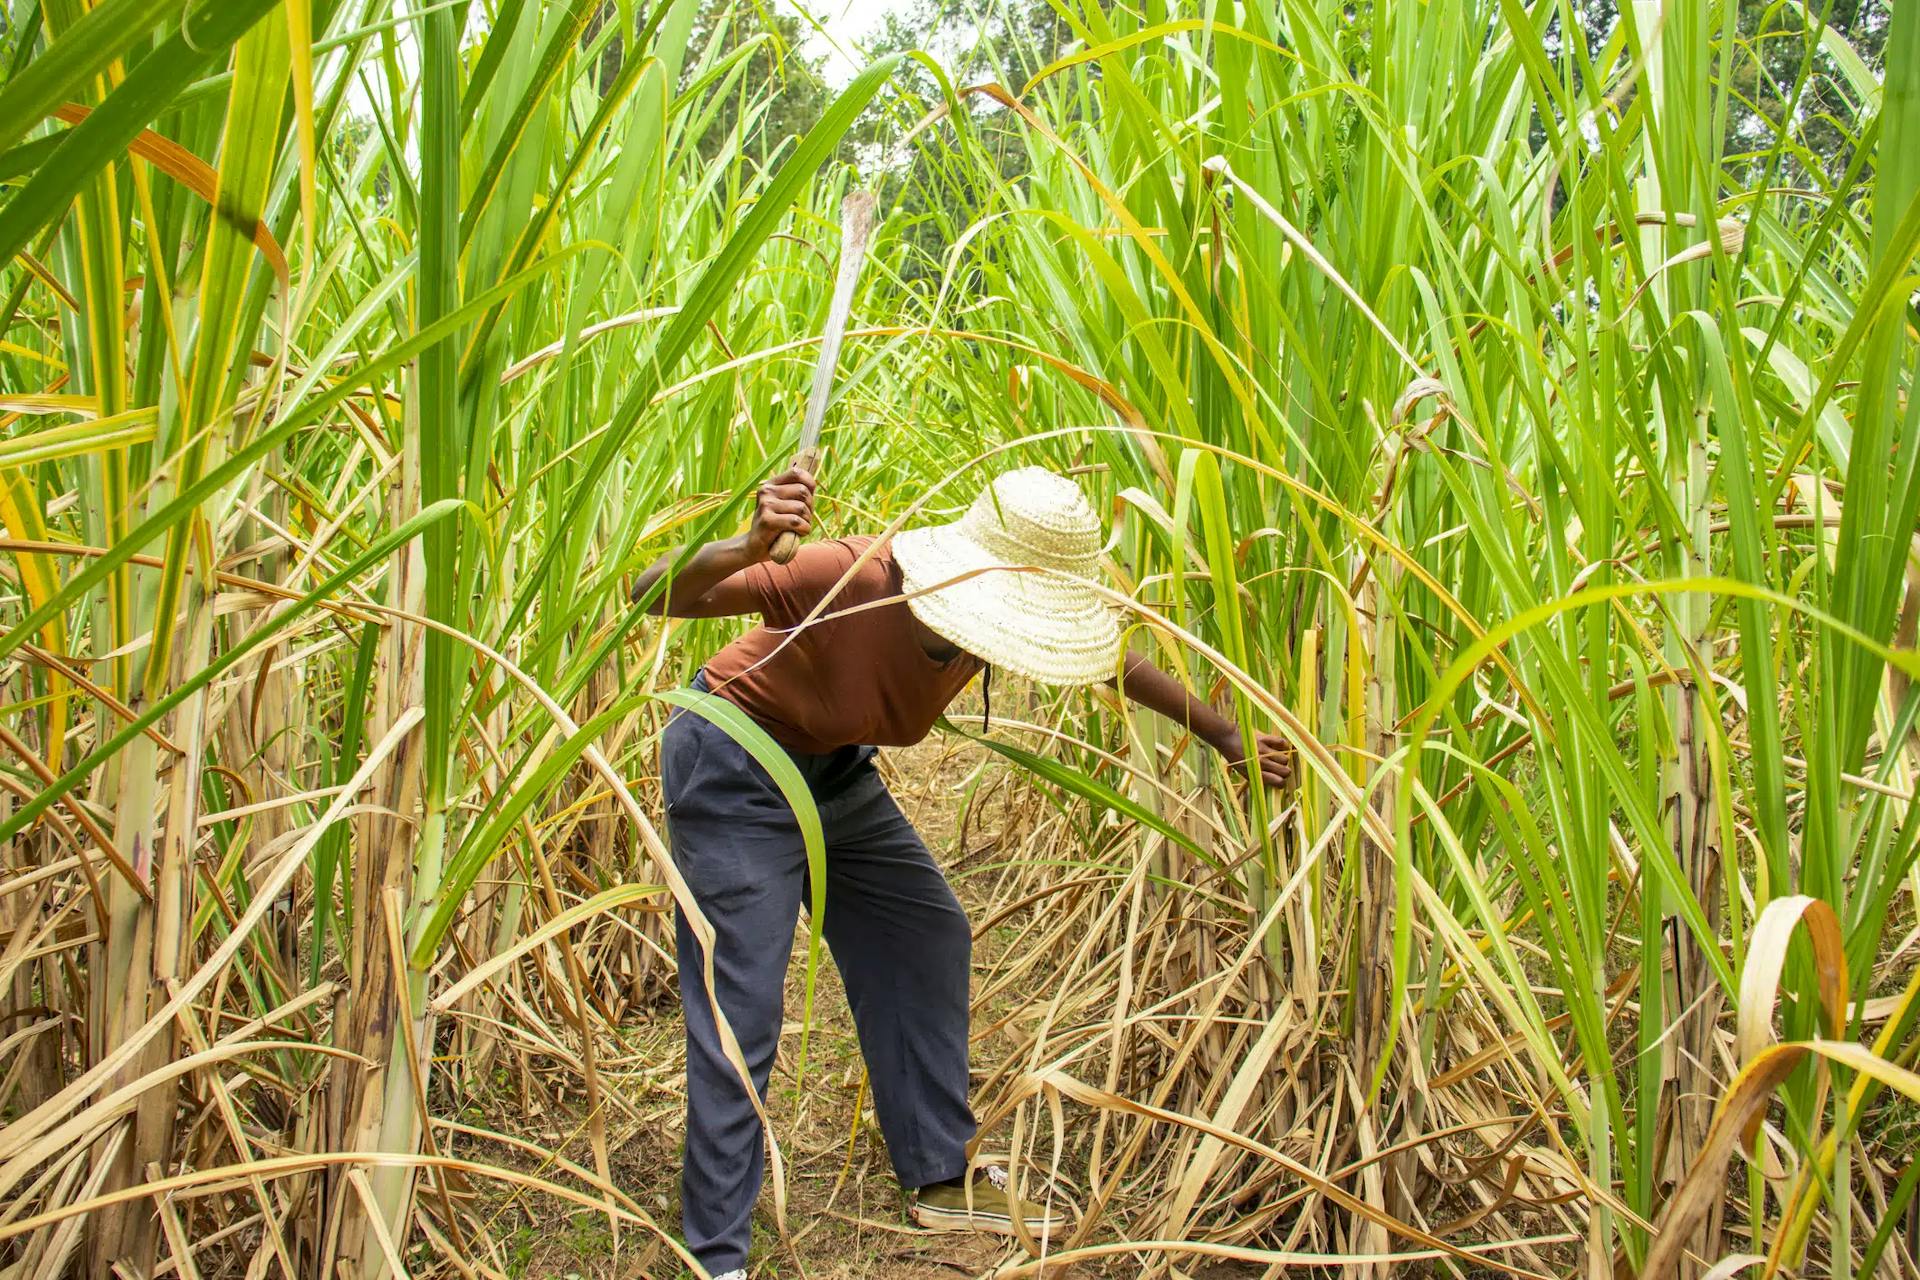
1514,412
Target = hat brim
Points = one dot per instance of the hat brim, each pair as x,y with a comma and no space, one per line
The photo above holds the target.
1047,626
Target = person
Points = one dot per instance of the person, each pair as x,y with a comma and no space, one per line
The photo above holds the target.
895,644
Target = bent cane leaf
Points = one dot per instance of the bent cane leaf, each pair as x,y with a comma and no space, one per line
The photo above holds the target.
772,757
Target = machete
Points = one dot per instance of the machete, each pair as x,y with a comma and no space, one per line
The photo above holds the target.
856,225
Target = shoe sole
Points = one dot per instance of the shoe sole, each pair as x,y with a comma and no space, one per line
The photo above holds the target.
931,1218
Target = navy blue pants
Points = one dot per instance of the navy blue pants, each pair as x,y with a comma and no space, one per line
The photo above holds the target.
898,936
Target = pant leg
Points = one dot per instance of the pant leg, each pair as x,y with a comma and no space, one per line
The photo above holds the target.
736,842
904,950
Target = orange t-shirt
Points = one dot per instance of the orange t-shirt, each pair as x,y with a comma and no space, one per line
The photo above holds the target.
861,680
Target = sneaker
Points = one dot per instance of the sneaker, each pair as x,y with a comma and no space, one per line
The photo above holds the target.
737,1273
983,1206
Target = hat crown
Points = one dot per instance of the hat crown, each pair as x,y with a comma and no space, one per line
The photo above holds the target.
1037,517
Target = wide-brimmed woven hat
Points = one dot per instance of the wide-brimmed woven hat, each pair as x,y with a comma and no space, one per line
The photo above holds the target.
1050,625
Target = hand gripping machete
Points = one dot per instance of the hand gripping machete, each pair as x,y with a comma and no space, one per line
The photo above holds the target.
856,225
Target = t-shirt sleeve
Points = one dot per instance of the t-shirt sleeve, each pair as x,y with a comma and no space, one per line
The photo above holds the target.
786,593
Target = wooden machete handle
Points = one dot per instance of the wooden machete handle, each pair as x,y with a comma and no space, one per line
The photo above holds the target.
787,545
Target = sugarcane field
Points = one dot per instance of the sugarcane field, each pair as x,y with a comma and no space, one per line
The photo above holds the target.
959,639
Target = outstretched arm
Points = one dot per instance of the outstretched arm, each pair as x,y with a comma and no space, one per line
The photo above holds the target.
1154,689
709,584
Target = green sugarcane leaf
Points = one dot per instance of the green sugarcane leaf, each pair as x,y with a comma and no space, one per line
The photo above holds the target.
68,65
78,439
103,137
772,757
1087,787
332,856
28,156
534,234
249,147
501,35
560,49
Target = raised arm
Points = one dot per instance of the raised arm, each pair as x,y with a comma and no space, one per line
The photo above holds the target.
1154,689
709,584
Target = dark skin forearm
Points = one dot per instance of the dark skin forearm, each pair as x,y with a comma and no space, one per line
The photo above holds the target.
1154,689
1159,692
702,571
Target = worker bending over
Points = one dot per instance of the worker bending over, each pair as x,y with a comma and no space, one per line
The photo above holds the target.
900,640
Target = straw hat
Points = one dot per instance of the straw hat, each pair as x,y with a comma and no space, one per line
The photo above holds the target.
1051,626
